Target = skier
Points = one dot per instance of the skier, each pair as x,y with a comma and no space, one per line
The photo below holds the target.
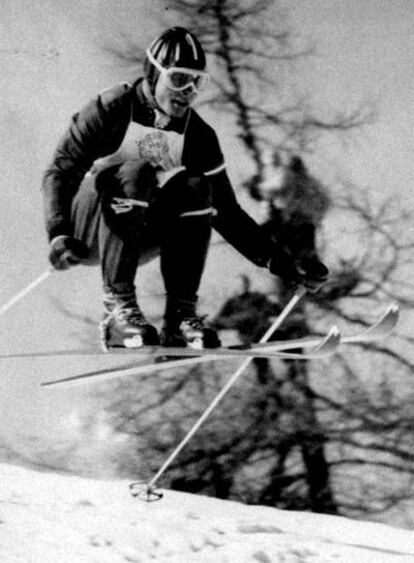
139,173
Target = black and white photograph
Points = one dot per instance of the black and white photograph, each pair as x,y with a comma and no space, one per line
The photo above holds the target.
207,288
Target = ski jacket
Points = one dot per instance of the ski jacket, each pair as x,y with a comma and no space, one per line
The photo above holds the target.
98,130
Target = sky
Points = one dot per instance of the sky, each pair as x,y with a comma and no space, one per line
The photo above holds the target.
66,519
365,51
51,64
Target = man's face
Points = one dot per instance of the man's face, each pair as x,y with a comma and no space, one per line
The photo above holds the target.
172,102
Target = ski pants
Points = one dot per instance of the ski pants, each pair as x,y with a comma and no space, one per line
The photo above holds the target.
125,226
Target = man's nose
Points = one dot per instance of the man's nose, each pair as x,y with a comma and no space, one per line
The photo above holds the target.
189,90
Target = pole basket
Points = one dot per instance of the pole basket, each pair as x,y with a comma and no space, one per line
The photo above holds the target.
145,492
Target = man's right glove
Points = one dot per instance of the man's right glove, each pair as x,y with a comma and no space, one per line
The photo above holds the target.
67,251
307,271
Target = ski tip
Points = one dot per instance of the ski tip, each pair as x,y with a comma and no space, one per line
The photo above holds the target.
331,341
327,345
380,329
335,332
394,309
56,382
387,322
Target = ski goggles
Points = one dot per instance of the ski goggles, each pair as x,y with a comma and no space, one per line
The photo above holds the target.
179,78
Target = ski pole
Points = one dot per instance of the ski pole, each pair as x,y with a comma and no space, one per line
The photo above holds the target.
149,488
32,285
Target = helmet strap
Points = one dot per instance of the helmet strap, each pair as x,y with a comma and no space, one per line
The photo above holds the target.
149,94
161,118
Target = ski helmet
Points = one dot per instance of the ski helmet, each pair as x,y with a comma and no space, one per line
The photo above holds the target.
175,47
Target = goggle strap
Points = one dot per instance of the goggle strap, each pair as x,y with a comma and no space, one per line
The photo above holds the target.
184,70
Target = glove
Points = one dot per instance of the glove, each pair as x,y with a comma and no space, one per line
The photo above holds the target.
307,271
67,251
313,273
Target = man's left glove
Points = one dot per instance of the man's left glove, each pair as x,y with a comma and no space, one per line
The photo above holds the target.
306,271
67,251
312,272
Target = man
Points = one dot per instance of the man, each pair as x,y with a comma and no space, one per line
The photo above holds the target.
139,173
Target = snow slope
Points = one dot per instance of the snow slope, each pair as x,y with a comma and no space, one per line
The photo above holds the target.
66,519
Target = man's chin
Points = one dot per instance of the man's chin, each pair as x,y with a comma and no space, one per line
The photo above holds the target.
177,109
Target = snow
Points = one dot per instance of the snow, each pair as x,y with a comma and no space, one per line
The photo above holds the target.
47,517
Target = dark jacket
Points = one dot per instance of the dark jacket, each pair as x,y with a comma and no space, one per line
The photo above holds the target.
98,130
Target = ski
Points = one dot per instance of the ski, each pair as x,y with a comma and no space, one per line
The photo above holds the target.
379,330
269,349
323,348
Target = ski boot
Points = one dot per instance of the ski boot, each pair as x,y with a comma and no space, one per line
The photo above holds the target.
186,329
124,324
